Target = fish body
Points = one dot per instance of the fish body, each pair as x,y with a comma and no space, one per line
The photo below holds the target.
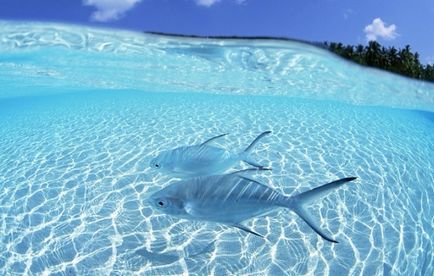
197,160
201,160
231,199
228,199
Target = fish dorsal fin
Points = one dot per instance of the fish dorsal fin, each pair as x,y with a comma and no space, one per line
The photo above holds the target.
213,138
251,170
252,180
246,229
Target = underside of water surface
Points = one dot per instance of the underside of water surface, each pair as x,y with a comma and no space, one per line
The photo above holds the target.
83,111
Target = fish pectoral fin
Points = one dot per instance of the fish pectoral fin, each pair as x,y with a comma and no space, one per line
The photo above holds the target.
213,138
245,228
189,209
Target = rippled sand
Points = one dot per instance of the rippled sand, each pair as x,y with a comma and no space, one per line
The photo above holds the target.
74,174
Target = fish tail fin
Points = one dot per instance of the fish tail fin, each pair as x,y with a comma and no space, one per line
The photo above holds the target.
244,156
300,202
252,144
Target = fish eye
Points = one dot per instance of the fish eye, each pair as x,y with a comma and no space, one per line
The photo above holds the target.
157,165
161,202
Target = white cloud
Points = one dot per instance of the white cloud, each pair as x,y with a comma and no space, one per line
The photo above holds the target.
347,13
209,3
378,29
109,9
206,3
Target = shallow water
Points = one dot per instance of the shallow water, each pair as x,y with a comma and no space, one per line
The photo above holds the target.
77,137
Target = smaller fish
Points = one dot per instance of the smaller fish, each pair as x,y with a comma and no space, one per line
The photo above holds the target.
203,159
232,198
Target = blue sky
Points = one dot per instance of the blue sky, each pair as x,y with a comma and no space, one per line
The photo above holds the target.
391,22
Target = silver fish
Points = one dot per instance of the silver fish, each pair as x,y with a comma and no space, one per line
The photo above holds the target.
202,160
232,198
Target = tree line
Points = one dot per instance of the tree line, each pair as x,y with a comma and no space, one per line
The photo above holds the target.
401,61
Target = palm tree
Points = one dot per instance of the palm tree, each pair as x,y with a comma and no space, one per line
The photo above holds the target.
402,61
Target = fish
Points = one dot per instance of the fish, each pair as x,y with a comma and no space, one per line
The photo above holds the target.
203,159
231,199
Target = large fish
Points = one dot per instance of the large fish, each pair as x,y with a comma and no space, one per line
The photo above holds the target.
232,198
202,160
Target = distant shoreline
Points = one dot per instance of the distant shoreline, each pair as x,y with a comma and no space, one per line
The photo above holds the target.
399,61
260,37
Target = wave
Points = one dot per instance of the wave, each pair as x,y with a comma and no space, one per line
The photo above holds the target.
50,58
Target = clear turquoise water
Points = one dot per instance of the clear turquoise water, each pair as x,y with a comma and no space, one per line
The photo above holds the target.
82,112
